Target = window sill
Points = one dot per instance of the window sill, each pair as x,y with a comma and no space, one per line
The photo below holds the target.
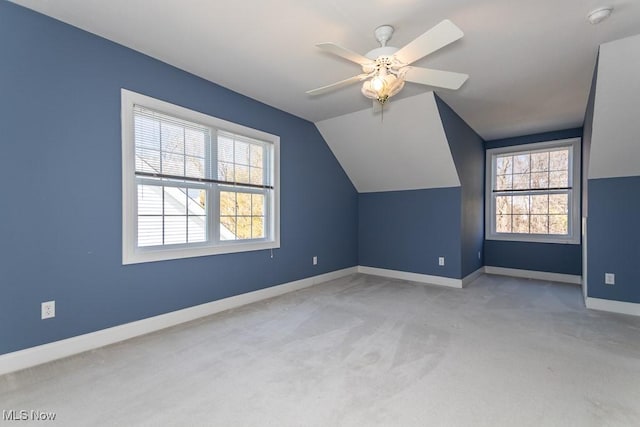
534,239
143,255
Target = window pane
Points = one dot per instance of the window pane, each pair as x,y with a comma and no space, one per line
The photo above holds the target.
521,223
504,165
147,133
196,201
161,142
147,160
520,204
172,164
195,167
243,201
257,204
558,179
521,163
540,180
559,203
225,149
540,162
240,161
540,204
149,230
175,201
243,227
227,228
257,227
503,223
241,153
242,174
197,229
504,182
559,160
225,172
257,153
194,143
558,224
175,230
242,215
503,205
539,224
256,176
172,138
228,204
149,200
521,182
162,215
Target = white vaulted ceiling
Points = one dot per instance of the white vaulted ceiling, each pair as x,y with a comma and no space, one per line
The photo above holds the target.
530,62
379,153
615,146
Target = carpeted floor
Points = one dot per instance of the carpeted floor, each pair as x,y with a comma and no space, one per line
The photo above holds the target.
361,351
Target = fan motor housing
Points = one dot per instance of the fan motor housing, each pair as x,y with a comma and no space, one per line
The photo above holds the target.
381,51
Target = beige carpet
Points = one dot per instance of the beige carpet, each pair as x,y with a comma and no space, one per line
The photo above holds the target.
361,351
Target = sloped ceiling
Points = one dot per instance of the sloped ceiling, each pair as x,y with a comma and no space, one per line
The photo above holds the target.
530,62
615,142
530,65
405,148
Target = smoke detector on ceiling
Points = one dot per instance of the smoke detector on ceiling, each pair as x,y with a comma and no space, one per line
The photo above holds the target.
598,15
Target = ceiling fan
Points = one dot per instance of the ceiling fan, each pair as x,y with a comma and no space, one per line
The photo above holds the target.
385,69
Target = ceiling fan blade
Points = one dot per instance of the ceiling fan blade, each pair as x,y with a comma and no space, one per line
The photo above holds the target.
444,33
427,76
337,85
344,53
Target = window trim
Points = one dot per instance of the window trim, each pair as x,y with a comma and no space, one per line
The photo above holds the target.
575,193
131,254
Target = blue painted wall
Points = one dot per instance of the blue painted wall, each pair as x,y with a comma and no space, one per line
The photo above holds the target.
409,230
467,150
547,257
614,238
60,219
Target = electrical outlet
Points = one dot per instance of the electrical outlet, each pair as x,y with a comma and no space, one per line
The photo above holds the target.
441,261
479,256
315,260
609,279
48,309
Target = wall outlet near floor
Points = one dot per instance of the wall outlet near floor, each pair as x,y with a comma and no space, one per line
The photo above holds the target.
479,256
315,260
48,310
440,261
609,278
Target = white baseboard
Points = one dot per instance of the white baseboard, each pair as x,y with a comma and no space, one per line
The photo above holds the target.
531,274
33,356
471,277
414,277
621,307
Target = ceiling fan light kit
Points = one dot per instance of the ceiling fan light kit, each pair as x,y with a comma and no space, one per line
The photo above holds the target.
386,79
386,69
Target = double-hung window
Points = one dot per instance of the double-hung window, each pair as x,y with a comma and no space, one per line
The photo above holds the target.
193,184
533,192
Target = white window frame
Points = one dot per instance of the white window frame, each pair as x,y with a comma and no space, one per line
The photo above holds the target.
573,236
131,253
